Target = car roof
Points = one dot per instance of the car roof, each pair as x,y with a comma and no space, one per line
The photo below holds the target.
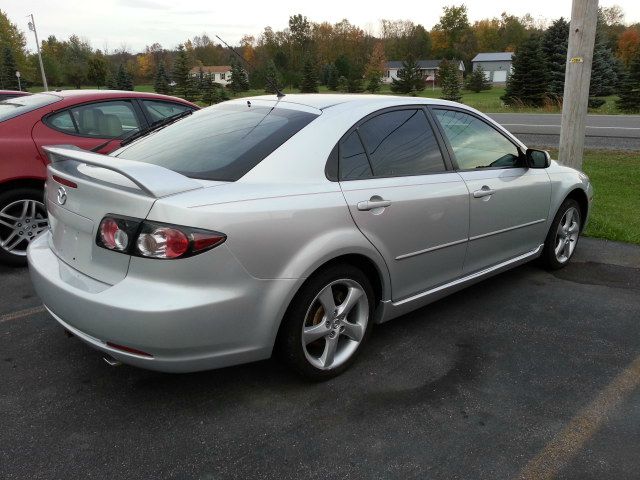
87,94
323,101
14,92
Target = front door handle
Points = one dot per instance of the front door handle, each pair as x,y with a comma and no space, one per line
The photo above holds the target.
371,204
485,191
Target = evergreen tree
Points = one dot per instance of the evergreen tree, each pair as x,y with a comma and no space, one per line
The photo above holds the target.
554,47
124,81
272,78
527,84
603,68
342,84
110,81
409,78
161,80
449,81
478,81
239,81
184,86
212,92
8,69
374,84
332,77
629,91
309,83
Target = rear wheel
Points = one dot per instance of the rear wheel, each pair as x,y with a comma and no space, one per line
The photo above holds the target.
327,322
22,217
563,236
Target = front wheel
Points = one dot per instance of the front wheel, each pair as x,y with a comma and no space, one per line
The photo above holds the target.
327,322
22,217
563,236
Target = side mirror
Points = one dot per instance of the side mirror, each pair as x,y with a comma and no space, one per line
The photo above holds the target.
538,158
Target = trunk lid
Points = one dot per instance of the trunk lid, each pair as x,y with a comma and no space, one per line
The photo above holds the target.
83,187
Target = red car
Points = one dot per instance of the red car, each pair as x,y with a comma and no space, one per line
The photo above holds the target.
6,94
89,119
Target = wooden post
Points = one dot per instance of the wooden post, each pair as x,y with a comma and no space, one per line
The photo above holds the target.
582,36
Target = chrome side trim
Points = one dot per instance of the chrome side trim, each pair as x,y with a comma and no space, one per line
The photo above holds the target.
470,277
431,249
528,224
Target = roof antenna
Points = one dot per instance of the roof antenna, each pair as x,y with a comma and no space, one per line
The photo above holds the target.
273,85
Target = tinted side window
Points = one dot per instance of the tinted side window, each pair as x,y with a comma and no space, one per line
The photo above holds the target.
159,110
354,164
401,143
62,121
475,143
104,119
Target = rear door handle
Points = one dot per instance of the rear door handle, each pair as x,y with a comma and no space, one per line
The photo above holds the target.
371,204
485,191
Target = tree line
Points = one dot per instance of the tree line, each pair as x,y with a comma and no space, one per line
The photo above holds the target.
341,55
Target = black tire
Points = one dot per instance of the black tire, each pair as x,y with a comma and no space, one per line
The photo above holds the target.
7,198
548,258
289,346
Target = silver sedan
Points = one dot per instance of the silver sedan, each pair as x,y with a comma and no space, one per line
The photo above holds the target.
291,225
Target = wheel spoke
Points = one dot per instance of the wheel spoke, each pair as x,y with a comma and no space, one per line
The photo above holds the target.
353,296
569,218
327,301
329,351
560,246
354,331
567,249
25,208
311,334
6,224
11,242
7,216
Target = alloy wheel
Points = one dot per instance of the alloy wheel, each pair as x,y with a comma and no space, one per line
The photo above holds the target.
335,324
567,235
20,222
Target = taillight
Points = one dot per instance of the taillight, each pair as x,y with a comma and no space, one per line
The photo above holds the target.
154,240
115,233
163,242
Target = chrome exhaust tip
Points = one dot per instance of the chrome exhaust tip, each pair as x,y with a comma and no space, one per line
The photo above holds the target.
112,362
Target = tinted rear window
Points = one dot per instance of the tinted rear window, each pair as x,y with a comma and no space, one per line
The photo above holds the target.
222,142
17,106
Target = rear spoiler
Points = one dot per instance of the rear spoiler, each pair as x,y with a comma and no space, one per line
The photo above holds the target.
153,180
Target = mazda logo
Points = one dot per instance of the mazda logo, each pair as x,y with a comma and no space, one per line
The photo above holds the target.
62,196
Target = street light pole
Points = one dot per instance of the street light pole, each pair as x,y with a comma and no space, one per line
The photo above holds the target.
582,36
32,27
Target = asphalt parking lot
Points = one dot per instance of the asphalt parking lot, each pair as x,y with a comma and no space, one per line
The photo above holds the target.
526,375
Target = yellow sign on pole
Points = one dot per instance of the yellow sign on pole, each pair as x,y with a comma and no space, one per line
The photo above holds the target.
576,60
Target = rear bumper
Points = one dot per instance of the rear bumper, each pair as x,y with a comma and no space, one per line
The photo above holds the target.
193,314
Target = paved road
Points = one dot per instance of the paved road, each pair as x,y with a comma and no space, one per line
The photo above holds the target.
603,131
522,376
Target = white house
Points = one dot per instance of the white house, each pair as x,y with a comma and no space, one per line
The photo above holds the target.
428,68
219,73
496,65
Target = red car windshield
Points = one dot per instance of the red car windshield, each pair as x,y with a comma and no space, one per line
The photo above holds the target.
17,106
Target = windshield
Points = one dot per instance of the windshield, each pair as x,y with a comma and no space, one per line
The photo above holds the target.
222,142
17,106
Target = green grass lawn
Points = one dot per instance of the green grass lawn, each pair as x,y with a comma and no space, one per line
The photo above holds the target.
616,209
488,101
615,176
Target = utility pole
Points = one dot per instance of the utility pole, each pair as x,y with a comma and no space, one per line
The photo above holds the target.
32,27
582,36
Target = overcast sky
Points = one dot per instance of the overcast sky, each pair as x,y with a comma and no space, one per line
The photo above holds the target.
136,23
